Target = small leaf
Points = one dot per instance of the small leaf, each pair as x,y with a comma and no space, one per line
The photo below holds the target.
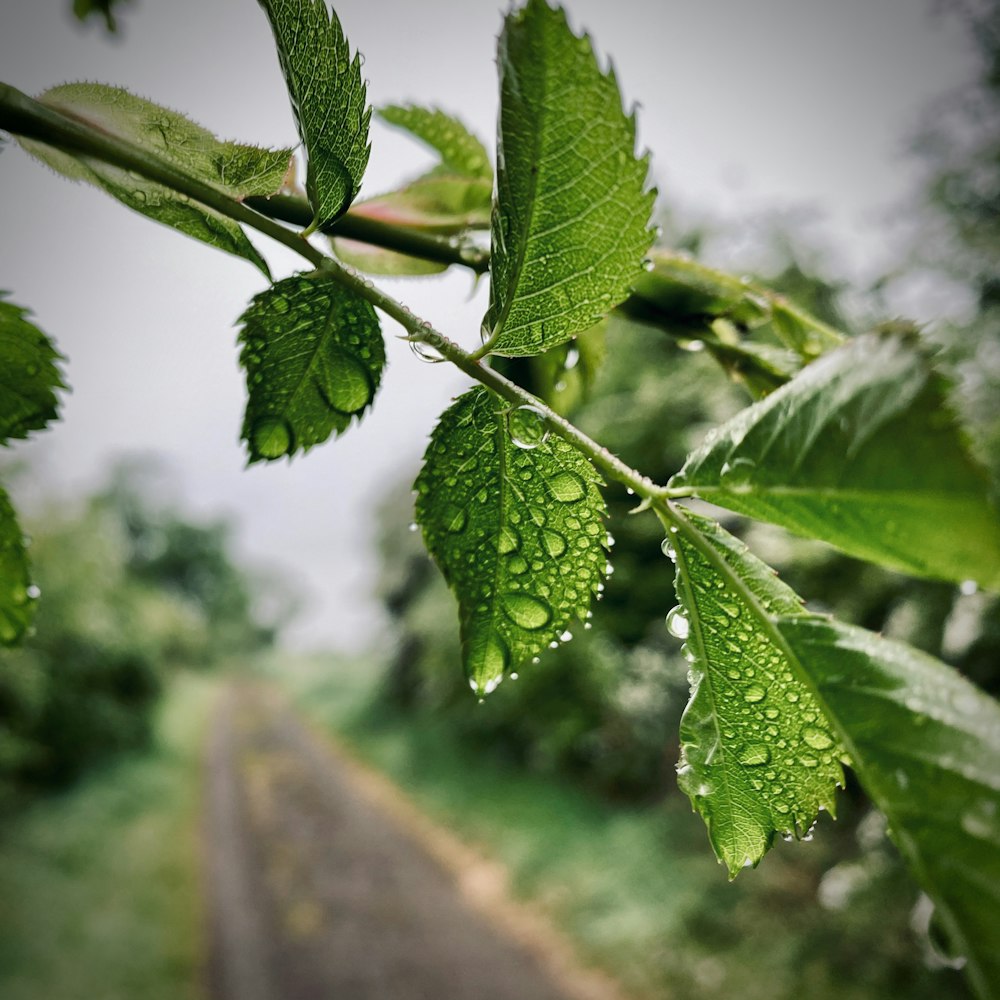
462,154
514,518
436,203
29,375
377,260
82,9
862,450
313,355
236,170
925,744
570,222
757,756
328,98
17,594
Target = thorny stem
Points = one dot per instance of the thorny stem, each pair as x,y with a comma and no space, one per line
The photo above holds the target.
23,116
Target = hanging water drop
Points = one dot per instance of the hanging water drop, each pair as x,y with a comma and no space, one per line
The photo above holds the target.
677,623
527,427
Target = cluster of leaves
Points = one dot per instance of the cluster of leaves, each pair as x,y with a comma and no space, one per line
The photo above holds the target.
510,499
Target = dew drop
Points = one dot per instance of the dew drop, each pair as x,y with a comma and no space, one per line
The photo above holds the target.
424,352
754,755
347,386
755,693
509,541
271,437
455,520
526,611
738,476
668,550
488,662
818,739
412,526
677,623
968,587
33,592
554,543
527,427
566,487
566,636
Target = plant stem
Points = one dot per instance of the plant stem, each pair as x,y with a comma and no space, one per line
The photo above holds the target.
26,117
358,226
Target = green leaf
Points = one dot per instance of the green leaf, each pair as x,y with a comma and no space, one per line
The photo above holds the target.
514,519
82,9
328,98
462,154
925,744
17,594
29,375
436,203
570,222
692,302
862,450
439,204
313,355
236,170
757,757
377,260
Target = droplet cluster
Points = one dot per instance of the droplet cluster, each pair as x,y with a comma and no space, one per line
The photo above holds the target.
313,355
517,531
757,753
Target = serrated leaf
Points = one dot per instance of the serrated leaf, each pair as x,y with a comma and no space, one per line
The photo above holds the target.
862,450
313,355
29,375
757,757
328,99
17,595
925,744
462,154
570,221
237,170
514,519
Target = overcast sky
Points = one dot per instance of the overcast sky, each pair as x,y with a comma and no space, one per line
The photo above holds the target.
745,104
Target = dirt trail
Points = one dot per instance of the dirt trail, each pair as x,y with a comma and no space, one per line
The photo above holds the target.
324,886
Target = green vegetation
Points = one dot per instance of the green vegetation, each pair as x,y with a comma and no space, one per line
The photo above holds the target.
849,436
631,884
100,886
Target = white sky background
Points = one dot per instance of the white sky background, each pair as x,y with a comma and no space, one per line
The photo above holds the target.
745,104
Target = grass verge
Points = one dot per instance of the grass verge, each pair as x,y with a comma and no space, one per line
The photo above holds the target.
100,886
637,888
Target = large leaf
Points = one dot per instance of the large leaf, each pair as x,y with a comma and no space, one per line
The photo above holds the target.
17,594
861,450
237,170
328,98
514,519
925,744
757,757
462,154
313,355
570,222
29,375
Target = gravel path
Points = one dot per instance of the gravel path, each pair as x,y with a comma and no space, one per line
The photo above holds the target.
318,892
